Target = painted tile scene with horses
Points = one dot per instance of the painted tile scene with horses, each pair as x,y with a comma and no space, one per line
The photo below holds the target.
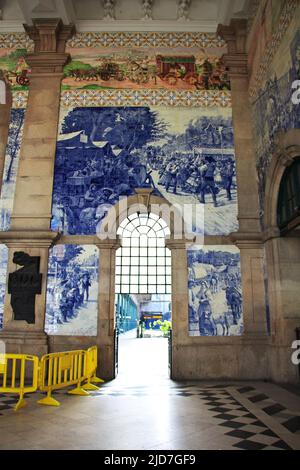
215,294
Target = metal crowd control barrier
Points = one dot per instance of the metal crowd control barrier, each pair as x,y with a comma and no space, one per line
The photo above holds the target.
60,370
13,369
90,369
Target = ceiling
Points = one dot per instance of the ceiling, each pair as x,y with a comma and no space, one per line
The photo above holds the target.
125,15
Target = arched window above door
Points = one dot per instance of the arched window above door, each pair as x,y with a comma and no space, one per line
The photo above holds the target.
288,207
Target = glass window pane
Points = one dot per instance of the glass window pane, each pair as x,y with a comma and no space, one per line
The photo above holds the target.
160,241
125,279
135,251
143,261
126,241
152,279
125,289
135,261
143,279
168,269
125,251
160,270
161,251
161,280
134,269
152,251
169,289
125,269
134,279
151,269
151,241
161,261
161,289
152,289
152,261
118,260
143,240
143,251
134,289
168,280
143,269
118,289
118,280
168,261
126,260
135,241
118,269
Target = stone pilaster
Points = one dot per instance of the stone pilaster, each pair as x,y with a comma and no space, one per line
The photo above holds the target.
30,222
236,61
106,306
248,239
4,125
33,197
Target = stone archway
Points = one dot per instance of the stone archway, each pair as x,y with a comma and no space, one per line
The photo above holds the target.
143,199
282,264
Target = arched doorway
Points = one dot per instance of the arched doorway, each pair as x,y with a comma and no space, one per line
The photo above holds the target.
143,297
282,252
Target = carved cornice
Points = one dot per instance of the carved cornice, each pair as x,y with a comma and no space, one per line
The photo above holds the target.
29,239
250,240
235,36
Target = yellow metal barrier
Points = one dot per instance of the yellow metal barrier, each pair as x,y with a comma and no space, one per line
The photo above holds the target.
90,369
60,370
13,370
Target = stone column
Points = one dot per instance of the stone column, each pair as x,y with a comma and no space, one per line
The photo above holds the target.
33,197
4,124
106,307
249,237
30,226
180,303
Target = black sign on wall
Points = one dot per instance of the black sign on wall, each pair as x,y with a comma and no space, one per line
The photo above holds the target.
23,285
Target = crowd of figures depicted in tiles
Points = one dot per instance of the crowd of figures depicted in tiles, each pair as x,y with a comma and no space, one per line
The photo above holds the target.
11,167
3,274
215,295
103,154
276,111
72,290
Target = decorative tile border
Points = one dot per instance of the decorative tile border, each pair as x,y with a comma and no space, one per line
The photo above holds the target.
284,22
19,99
204,99
15,41
146,40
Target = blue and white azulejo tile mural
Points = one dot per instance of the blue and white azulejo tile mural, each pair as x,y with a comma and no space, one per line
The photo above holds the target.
72,290
103,154
3,274
11,167
215,293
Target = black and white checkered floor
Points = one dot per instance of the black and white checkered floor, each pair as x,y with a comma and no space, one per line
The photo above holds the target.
251,418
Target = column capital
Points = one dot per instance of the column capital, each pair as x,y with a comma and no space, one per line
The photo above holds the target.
29,239
235,36
250,240
50,36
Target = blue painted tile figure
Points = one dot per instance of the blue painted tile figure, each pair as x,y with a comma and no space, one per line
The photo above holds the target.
103,154
3,276
11,167
215,297
72,290
274,112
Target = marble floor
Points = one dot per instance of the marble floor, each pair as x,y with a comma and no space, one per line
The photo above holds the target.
143,409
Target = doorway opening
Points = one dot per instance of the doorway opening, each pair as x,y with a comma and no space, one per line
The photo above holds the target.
143,299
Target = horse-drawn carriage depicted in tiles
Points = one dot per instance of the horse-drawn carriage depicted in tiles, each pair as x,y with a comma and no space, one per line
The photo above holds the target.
171,69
